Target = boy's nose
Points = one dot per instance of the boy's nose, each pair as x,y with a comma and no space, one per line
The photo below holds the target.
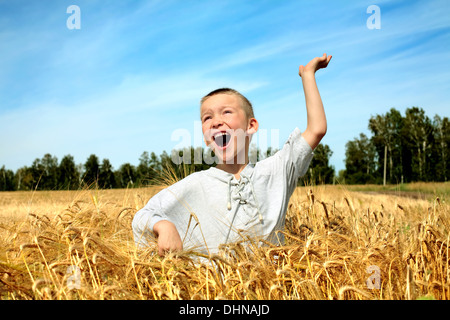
217,122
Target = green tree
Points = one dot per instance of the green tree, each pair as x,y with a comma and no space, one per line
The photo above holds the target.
37,172
409,148
183,162
359,161
50,176
387,140
144,172
91,170
441,149
320,172
6,179
418,134
106,177
23,179
68,176
155,164
126,176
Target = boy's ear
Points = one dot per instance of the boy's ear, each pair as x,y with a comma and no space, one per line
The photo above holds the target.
253,126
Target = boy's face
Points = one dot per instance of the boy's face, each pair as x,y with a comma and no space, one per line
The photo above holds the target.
226,129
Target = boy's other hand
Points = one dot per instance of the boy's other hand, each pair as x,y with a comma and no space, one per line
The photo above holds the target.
168,237
314,65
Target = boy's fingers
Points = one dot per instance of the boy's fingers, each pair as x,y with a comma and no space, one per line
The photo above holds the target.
322,58
165,249
326,60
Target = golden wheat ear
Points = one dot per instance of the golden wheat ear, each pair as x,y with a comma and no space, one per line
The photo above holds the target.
342,245
171,174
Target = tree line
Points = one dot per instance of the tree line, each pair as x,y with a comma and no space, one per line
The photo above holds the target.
47,173
401,149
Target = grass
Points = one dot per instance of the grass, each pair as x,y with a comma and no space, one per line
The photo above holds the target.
333,236
416,189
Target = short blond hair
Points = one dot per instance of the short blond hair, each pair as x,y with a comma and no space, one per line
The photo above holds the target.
245,103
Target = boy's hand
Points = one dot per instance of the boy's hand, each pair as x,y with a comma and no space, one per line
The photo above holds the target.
168,237
314,65
316,126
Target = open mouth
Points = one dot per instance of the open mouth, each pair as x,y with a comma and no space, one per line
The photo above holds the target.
222,139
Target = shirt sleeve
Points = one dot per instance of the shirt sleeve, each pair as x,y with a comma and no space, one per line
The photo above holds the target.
147,217
165,205
295,156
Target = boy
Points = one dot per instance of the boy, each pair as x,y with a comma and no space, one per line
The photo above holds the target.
235,199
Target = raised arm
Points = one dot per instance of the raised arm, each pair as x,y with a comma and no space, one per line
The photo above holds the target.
316,120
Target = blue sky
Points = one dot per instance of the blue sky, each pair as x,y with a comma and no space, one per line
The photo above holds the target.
134,72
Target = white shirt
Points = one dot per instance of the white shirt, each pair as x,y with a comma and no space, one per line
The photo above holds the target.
212,207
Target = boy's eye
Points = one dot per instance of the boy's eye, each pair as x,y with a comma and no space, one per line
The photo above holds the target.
206,118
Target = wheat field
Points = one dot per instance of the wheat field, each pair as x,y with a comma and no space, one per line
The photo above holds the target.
340,244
